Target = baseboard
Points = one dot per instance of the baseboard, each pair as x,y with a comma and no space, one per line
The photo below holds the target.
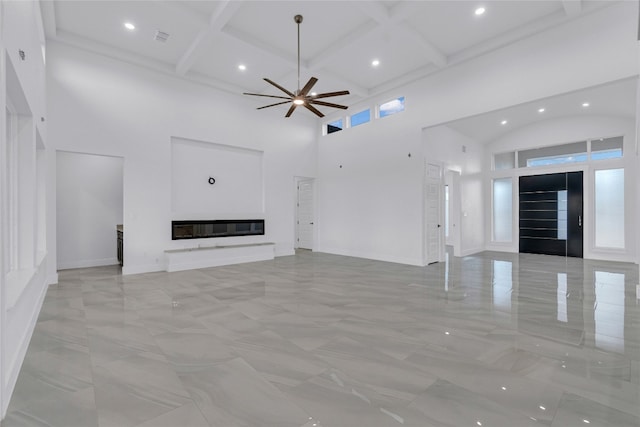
287,252
501,248
140,269
52,279
374,256
473,251
87,263
37,286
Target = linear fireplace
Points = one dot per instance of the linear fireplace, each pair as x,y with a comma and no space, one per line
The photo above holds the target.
216,228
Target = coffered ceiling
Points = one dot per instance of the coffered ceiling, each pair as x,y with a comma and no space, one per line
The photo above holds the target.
208,40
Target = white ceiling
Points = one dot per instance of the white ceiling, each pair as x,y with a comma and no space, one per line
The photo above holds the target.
339,39
616,99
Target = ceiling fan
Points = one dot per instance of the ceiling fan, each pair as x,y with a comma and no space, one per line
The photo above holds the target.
301,97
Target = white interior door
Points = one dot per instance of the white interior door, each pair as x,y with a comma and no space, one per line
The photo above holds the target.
433,214
304,221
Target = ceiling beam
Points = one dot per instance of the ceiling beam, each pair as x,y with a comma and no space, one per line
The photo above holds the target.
261,45
218,19
366,30
42,34
290,60
167,69
375,10
434,54
49,18
354,89
396,18
383,20
572,7
179,8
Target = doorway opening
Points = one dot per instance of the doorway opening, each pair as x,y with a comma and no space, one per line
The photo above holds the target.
89,210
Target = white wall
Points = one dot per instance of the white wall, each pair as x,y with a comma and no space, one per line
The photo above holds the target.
22,283
460,153
373,206
238,190
88,208
565,130
103,106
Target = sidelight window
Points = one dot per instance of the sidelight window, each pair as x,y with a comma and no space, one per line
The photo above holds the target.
609,208
502,210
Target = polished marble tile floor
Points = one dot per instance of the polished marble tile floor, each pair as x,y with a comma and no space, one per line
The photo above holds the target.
316,340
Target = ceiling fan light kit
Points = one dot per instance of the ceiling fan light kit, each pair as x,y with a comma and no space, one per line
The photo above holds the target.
301,97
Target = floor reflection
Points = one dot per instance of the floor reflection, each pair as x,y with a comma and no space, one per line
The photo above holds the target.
570,300
609,311
492,339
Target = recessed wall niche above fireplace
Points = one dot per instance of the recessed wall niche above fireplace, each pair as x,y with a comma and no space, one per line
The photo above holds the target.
216,228
211,180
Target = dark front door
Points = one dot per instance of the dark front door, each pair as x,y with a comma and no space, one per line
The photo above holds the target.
551,214
574,214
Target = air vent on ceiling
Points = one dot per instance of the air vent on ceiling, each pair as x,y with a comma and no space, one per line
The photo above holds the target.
161,36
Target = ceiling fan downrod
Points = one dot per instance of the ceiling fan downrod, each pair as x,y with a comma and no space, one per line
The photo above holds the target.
298,20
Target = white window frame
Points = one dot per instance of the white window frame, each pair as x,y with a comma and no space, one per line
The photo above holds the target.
11,179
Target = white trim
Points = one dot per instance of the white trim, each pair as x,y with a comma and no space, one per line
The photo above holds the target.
15,364
88,263
372,256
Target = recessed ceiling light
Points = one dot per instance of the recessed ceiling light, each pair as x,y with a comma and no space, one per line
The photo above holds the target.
480,11
504,122
585,104
586,421
540,110
242,67
129,26
375,63
314,93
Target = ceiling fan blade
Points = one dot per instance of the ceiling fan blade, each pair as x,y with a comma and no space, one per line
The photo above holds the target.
273,105
313,109
328,94
293,107
312,81
327,104
267,96
279,87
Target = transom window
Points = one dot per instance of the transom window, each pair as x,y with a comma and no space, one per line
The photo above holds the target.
361,118
575,152
392,107
335,126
